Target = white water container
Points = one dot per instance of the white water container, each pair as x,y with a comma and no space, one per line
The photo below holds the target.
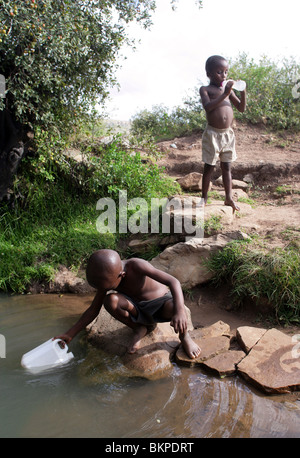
50,354
238,85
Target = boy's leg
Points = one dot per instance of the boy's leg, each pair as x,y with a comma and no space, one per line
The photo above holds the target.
122,309
227,181
207,174
189,346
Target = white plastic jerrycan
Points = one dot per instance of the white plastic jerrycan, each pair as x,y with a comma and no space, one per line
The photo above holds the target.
50,354
238,85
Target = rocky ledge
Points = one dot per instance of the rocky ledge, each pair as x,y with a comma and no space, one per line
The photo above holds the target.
267,359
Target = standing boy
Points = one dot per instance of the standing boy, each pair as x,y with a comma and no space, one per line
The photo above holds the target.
218,140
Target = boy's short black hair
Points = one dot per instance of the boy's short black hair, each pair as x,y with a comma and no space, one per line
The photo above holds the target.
212,61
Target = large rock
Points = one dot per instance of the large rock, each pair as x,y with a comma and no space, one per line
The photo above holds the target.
272,364
217,209
191,182
152,360
210,347
186,260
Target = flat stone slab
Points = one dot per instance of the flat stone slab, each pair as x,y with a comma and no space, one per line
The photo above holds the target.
210,342
226,363
248,336
272,364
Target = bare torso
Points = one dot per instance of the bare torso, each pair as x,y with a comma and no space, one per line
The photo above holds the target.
220,117
138,286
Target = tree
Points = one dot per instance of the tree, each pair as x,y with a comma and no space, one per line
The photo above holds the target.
58,58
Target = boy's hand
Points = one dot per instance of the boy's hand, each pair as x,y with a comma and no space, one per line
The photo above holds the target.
64,337
179,322
228,87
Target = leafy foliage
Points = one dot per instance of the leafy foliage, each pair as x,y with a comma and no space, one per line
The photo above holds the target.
162,123
261,275
269,90
58,56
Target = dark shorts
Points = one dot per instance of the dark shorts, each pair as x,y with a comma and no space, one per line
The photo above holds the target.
148,311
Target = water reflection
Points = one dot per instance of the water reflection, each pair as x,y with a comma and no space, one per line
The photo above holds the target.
95,396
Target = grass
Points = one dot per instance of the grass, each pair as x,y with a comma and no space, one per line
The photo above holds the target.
54,229
54,224
262,275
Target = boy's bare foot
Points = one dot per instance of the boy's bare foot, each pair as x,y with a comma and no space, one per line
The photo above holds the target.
138,333
189,346
231,203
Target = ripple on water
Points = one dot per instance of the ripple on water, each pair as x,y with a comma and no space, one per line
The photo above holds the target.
94,396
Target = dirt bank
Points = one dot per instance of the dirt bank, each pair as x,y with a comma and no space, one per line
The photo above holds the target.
273,160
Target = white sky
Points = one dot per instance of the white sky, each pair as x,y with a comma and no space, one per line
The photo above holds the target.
169,61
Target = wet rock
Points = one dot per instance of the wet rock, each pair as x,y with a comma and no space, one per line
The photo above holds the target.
212,340
152,360
248,336
272,365
225,364
210,347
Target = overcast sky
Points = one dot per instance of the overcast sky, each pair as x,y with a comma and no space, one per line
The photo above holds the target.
170,58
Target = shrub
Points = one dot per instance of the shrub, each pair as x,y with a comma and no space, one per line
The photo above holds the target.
269,91
258,274
161,123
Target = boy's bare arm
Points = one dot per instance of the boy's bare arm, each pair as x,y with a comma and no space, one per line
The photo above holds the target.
179,320
240,105
210,104
86,318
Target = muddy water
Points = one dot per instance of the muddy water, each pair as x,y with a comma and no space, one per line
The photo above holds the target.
94,397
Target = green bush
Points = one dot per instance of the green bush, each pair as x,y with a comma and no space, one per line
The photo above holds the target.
53,221
269,91
53,227
261,275
117,169
58,57
162,123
